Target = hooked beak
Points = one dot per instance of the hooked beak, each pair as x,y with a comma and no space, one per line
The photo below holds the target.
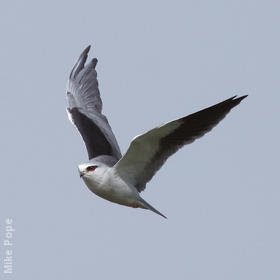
81,174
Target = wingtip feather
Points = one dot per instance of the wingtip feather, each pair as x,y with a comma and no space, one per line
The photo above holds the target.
80,62
86,50
84,54
239,99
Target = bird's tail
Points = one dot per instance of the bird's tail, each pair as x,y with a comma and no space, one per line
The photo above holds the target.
146,205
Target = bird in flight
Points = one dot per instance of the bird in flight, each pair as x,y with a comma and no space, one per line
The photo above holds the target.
110,175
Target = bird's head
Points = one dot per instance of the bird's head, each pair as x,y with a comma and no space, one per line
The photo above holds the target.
92,171
87,169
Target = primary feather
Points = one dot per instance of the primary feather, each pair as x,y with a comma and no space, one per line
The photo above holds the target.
85,109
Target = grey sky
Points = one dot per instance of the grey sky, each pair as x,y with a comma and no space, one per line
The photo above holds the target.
158,60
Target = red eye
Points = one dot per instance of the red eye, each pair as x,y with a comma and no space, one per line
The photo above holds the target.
91,168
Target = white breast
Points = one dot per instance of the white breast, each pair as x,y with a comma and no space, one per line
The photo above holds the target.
107,184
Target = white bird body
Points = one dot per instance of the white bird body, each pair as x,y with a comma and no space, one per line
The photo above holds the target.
118,178
107,184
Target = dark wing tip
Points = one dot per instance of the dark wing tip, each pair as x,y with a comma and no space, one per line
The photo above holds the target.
85,52
94,62
229,103
235,101
239,98
80,62
83,57
197,124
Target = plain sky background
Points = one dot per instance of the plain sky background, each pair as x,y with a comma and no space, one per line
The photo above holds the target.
158,60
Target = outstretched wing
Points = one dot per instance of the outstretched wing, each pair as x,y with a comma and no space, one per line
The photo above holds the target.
84,109
149,151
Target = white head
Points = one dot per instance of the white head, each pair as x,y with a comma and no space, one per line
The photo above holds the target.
92,171
87,169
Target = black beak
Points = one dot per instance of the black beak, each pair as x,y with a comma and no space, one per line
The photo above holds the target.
81,174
